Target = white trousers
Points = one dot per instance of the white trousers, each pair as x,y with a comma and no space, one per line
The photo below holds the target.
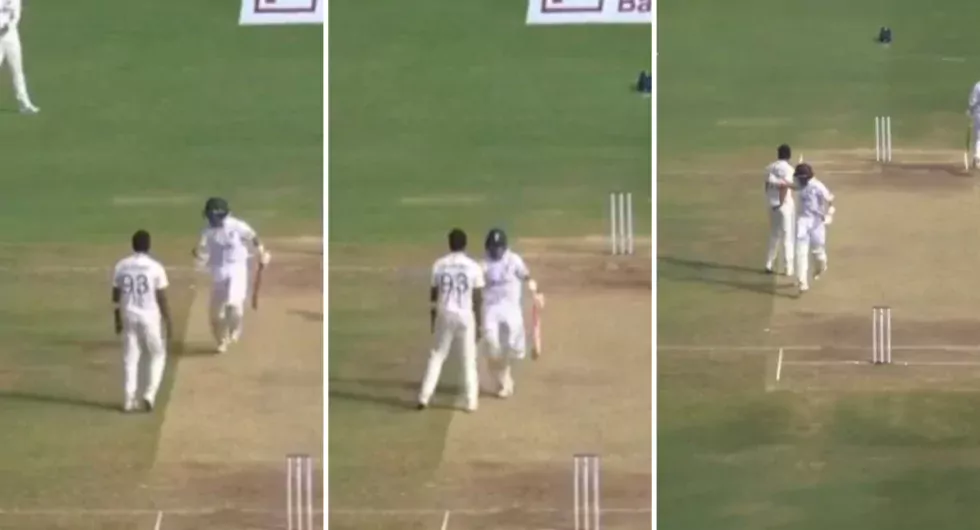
781,231
229,289
138,335
976,137
505,340
453,329
12,55
811,237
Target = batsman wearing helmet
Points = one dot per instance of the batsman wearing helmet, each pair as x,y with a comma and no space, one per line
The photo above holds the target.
816,212
503,318
224,248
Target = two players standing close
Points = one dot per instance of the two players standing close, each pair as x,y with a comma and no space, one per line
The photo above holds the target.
478,303
141,313
808,224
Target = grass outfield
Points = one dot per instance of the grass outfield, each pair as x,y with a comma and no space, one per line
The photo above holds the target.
447,114
831,444
147,109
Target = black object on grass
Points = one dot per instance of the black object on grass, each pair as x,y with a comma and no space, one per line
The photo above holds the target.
644,83
885,35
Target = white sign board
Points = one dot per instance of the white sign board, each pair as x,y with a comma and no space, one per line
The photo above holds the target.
273,12
589,11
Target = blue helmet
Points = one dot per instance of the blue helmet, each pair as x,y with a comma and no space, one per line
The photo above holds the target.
496,243
215,211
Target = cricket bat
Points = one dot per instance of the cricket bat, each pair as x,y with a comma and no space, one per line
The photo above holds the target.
257,285
535,331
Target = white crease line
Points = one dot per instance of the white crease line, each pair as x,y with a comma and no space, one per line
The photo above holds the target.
159,521
779,365
445,521
216,510
401,512
962,348
895,363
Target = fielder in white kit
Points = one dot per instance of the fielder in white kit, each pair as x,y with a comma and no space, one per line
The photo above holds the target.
456,295
139,283
782,209
225,248
973,111
503,315
816,212
12,53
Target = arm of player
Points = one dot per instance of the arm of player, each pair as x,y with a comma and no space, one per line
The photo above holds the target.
15,8
165,313
479,282
160,286
478,311
200,252
116,314
433,300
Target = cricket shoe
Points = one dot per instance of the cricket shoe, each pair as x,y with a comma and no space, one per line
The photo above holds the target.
421,406
148,404
130,405
471,408
223,345
29,109
804,288
821,270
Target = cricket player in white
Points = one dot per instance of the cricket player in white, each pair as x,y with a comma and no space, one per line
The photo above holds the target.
456,295
11,52
782,209
503,315
138,286
225,248
973,111
816,212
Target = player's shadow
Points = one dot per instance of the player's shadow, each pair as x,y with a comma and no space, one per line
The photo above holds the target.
740,277
393,393
9,396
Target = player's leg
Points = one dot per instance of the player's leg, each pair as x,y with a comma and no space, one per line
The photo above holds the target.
786,218
131,365
15,58
515,348
976,140
466,333
153,339
803,225
493,349
443,341
235,307
818,246
216,313
775,234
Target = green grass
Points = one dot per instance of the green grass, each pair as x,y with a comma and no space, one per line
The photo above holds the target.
736,80
523,127
139,100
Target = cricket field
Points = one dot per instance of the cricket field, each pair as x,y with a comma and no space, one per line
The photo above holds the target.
447,114
148,108
817,438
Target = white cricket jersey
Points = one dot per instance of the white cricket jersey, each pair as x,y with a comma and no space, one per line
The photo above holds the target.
9,13
815,198
974,101
456,275
778,171
227,246
505,279
138,278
